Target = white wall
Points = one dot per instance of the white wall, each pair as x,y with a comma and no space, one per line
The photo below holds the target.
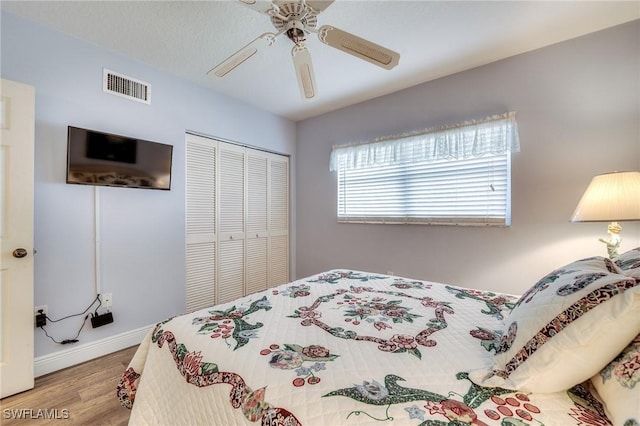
142,247
578,109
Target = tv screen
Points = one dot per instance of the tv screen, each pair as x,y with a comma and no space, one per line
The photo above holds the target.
97,158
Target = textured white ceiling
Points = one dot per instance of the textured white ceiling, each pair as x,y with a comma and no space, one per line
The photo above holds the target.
434,39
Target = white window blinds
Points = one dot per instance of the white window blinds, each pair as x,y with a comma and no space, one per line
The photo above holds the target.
456,175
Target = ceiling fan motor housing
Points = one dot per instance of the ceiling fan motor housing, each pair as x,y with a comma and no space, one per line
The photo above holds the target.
299,18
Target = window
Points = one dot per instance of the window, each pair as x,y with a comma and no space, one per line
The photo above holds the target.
455,175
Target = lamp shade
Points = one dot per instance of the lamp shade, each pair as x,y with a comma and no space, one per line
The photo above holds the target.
610,197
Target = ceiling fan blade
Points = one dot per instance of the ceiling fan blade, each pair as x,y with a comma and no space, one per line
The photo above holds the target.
358,47
262,6
233,61
318,5
304,71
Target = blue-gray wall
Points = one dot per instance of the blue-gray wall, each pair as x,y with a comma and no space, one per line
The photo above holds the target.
578,108
578,105
142,231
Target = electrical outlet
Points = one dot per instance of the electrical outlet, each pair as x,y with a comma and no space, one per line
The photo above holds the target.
44,308
107,300
40,313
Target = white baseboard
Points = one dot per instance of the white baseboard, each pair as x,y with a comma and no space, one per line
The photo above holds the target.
55,361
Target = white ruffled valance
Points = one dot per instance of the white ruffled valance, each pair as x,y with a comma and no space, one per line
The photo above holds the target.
492,135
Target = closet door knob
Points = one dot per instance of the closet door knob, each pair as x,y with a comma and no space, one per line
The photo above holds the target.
20,253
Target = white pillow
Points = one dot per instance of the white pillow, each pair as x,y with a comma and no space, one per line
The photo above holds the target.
629,263
618,385
565,328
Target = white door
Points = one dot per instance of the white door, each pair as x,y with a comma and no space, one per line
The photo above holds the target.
257,236
279,221
231,222
200,156
16,237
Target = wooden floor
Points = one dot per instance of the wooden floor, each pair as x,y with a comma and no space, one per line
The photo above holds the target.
87,392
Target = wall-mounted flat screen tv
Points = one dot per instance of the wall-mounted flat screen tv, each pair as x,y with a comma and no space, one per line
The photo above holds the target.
97,158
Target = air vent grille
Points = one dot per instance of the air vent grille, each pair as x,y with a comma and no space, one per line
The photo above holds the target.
125,86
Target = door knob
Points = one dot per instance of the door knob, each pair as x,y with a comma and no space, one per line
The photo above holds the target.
20,252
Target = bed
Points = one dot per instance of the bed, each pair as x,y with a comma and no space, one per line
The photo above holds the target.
348,347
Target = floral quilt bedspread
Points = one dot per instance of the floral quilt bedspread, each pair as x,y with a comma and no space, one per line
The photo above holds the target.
338,348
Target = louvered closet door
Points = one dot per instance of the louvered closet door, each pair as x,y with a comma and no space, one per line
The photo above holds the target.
279,220
231,222
257,236
200,222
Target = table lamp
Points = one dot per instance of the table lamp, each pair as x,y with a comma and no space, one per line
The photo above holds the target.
610,197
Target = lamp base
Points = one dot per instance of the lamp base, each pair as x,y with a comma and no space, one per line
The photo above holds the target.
614,240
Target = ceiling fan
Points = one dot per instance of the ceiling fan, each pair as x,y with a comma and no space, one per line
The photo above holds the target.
296,19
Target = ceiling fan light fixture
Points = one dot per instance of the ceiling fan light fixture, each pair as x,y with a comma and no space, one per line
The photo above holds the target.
295,31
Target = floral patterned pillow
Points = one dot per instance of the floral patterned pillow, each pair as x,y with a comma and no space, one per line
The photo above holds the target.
565,328
629,262
618,386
